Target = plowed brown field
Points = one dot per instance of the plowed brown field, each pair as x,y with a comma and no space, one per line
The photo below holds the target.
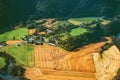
51,57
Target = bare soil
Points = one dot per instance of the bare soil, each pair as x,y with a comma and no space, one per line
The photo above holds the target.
10,42
31,31
58,64
48,74
51,57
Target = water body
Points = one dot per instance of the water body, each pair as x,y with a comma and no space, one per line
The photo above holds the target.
9,77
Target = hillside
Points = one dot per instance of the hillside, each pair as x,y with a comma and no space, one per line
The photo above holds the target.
59,39
36,9
14,34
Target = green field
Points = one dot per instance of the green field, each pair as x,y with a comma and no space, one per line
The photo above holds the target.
23,54
2,62
77,31
78,21
18,34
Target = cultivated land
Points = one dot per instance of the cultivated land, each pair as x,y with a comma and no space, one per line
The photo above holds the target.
78,21
23,54
77,31
48,58
60,23
66,75
14,34
51,62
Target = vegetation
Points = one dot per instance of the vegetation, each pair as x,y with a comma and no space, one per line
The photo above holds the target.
15,70
79,39
6,57
22,54
112,28
31,25
116,42
77,31
105,47
78,21
17,34
60,23
2,62
105,22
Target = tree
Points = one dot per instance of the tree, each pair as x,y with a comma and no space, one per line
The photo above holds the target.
114,26
98,31
116,42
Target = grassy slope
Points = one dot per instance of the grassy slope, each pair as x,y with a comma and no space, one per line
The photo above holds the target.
78,21
2,62
18,34
77,31
23,54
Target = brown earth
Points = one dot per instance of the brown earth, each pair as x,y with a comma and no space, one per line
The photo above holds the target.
66,75
10,42
33,74
51,57
31,31
48,74
41,33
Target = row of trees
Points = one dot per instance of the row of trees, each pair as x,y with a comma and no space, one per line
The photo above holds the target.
116,41
113,28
